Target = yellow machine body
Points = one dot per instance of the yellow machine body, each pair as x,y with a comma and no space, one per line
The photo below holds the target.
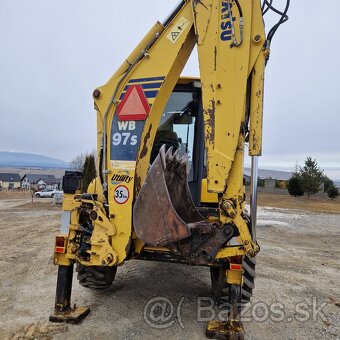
140,205
225,73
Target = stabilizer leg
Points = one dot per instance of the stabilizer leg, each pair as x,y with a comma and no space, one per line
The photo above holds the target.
63,312
231,329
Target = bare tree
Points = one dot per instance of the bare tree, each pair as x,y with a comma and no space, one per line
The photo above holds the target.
78,161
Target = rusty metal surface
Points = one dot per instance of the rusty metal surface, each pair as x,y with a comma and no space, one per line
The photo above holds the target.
231,330
163,208
73,315
165,215
205,242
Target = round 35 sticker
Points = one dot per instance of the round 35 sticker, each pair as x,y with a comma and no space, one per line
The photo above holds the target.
122,194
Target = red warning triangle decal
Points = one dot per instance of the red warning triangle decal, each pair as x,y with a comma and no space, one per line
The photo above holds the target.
134,105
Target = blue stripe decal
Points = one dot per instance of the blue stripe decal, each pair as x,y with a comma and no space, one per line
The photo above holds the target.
147,86
148,94
145,79
151,86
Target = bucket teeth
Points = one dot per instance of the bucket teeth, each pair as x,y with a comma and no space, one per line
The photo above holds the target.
164,209
172,161
162,156
176,155
184,160
168,154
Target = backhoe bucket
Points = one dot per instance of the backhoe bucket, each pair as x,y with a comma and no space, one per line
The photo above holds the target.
164,212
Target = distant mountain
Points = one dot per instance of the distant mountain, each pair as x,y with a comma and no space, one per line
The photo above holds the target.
18,159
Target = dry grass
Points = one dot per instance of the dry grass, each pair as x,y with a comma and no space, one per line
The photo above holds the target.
314,204
39,204
14,194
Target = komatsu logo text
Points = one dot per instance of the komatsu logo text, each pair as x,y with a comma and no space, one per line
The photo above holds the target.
226,24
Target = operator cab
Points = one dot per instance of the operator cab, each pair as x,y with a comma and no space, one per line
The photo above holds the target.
182,127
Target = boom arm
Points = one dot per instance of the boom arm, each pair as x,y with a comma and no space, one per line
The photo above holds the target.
230,38
225,69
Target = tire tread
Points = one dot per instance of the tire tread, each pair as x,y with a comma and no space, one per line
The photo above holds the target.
96,277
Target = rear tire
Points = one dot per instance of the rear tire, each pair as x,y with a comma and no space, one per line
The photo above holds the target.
249,265
95,277
221,289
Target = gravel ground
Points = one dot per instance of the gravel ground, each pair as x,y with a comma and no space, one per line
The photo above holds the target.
297,294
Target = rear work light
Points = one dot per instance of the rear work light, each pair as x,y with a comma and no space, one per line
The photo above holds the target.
234,266
235,263
60,244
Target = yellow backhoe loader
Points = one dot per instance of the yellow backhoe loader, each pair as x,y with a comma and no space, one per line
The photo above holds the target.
170,158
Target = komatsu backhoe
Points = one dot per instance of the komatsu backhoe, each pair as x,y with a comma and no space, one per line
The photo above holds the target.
170,158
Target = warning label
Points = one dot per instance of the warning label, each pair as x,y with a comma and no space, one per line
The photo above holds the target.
178,29
121,194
